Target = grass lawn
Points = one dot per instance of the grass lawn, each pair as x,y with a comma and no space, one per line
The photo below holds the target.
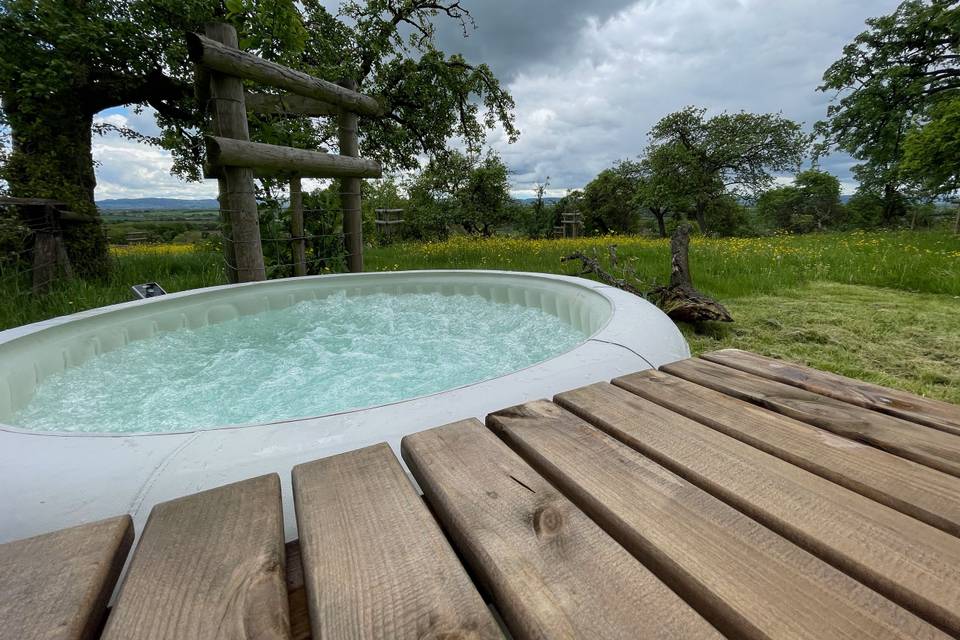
883,307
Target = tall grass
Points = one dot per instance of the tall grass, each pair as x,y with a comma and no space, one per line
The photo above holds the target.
926,262
175,267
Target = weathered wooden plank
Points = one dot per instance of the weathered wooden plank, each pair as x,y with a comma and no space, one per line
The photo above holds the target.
552,572
915,442
56,586
906,560
376,564
233,61
748,581
933,413
208,566
270,158
289,104
909,487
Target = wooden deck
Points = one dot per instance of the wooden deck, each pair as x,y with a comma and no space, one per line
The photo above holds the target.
725,496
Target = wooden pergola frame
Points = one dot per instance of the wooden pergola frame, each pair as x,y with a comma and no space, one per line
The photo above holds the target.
235,161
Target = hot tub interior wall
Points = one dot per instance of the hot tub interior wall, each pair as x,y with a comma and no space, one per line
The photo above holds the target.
28,360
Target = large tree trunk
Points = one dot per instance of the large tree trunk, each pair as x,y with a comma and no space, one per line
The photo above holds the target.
701,213
660,215
52,158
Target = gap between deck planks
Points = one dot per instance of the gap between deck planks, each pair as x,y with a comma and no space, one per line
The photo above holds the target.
747,580
931,447
552,571
933,413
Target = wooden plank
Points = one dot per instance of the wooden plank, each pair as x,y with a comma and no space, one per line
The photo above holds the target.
376,564
910,562
748,581
288,104
243,248
552,572
933,413
208,566
914,489
267,159
56,586
915,442
348,139
232,61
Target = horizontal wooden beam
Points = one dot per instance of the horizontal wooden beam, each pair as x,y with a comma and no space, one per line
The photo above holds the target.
241,64
288,104
269,159
31,202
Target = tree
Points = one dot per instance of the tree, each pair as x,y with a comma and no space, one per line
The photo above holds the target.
732,153
889,82
660,187
63,61
811,202
484,200
610,201
457,188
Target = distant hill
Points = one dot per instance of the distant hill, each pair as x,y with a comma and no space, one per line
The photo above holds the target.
157,204
532,200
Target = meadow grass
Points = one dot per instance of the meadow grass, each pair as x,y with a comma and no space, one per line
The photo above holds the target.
883,307
175,267
724,267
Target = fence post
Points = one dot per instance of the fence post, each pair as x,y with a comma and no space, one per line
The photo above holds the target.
237,195
296,228
350,204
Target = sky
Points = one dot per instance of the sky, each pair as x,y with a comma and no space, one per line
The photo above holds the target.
591,78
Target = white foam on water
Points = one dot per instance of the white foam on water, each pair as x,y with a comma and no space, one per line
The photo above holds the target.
309,359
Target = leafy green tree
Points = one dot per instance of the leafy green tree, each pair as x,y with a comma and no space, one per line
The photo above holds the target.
889,82
730,153
660,186
63,61
811,202
538,218
932,153
457,188
610,201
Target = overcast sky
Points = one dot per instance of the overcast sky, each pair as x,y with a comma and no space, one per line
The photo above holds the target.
591,78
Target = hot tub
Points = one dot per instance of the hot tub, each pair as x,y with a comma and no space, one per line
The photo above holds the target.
58,467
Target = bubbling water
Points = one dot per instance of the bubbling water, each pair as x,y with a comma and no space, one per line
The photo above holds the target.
312,358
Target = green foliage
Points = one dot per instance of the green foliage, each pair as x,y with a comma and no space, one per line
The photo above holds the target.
890,82
931,154
731,153
459,189
811,203
610,202
537,219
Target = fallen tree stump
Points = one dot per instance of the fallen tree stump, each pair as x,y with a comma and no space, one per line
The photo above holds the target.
679,299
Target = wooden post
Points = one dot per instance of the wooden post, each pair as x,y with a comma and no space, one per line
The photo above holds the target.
237,195
296,228
350,187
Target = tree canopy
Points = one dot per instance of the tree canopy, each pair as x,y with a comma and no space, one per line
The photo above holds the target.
471,190
890,82
730,153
